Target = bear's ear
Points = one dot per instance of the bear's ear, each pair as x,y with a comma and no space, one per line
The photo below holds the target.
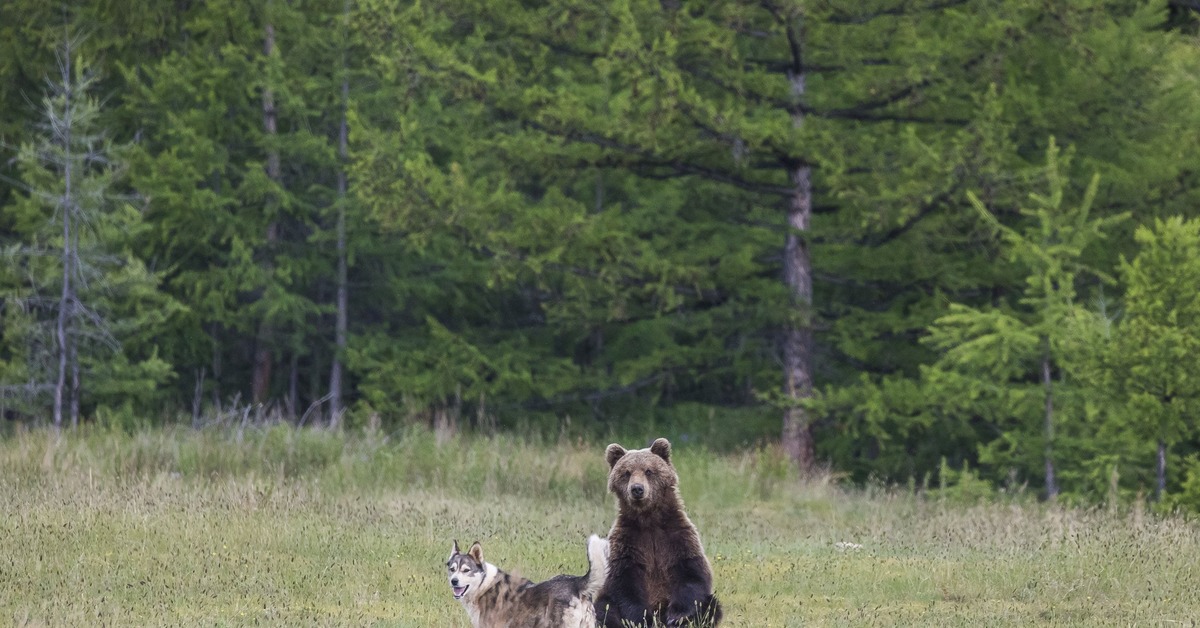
662,449
476,552
613,454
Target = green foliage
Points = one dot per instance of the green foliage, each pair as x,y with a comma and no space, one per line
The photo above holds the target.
962,486
1009,353
1158,342
567,218
1187,497
72,262
1144,361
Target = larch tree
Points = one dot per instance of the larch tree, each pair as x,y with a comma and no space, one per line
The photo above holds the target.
907,127
846,129
242,179
1010,354
1154,350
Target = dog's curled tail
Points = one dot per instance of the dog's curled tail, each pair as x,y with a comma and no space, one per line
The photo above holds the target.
597,551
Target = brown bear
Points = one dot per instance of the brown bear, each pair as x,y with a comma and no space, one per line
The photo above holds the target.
657,574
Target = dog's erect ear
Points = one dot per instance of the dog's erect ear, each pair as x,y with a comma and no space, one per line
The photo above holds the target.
662,449
476,552
454,551
613,454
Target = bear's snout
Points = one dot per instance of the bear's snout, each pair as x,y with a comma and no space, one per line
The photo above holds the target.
638,491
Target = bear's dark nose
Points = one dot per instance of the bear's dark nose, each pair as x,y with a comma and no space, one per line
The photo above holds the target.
638,491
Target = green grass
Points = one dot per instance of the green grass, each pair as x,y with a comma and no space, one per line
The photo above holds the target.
294,527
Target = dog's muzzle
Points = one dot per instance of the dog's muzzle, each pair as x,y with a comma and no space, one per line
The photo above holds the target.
459,592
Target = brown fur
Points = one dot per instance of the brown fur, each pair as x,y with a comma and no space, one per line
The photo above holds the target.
658,572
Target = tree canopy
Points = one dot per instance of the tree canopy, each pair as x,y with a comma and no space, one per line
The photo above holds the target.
895,237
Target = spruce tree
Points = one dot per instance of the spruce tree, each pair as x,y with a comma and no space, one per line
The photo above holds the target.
73,229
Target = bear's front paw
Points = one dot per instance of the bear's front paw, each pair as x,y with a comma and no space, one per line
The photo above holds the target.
680,614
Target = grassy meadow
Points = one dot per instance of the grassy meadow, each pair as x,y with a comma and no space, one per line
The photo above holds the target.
288,527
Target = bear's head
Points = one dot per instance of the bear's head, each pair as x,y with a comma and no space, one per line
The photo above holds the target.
642,478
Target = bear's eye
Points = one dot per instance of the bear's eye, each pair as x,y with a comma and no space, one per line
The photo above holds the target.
649,473
626,475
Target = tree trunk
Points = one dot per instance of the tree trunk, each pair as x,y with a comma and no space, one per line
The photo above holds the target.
197,397
76,385
1161,487
340,325
797,273
797,348
64,306
261,379
1051,481
214,333
66,299
293,397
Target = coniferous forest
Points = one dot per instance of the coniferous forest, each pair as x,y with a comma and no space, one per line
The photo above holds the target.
908,240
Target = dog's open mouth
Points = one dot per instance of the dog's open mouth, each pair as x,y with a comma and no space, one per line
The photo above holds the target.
460,591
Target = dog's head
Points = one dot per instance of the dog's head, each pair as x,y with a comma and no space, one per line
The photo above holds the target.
467,571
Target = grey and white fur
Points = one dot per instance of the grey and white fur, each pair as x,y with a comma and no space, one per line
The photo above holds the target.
494,598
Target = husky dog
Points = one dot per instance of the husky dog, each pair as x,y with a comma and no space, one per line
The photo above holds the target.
496,599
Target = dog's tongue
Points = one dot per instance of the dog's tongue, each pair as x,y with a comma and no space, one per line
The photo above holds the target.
459,591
